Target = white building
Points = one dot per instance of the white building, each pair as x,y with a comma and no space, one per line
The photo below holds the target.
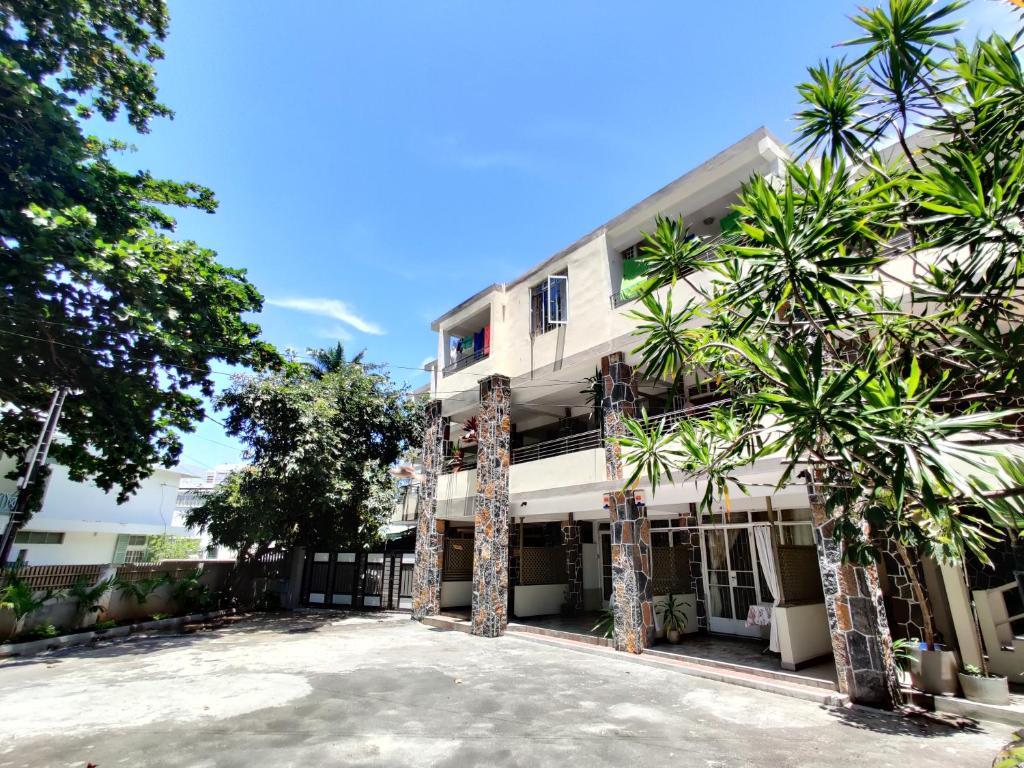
191,493
81,524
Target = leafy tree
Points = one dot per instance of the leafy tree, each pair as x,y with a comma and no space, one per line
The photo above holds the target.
95,295
170,547
320,442
867,321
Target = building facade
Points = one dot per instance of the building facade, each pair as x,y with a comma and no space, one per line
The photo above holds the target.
80,524
522,509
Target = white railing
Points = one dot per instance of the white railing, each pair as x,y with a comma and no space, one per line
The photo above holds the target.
557,447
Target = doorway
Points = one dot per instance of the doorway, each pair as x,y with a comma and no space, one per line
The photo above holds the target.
731,575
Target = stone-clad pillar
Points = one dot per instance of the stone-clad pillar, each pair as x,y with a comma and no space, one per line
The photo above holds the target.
490,508
857,622
572,542
632,589
426,575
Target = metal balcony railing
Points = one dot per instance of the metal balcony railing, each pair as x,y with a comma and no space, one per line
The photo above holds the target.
693,412
465,362
557,447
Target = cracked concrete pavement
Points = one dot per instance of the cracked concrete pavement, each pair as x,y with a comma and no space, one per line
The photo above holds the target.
315,689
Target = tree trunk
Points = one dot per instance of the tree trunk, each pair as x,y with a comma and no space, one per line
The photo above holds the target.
927,622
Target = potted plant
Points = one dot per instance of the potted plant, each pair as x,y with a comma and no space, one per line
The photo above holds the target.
605,623
983,687
673,618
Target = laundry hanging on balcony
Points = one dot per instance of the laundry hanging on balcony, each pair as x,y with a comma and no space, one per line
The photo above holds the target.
634,278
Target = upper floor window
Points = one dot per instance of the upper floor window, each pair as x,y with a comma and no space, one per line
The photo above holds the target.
38,537
549,303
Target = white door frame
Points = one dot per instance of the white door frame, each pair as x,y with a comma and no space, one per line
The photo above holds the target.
736,625
601,563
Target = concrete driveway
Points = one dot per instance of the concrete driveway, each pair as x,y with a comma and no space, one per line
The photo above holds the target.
326,689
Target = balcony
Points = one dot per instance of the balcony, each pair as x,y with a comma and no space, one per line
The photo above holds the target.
465,361
557,447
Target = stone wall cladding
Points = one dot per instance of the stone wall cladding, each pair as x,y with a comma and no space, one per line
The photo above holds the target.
632,586
572,541
426,579
857,622
689,522
902,609
490,508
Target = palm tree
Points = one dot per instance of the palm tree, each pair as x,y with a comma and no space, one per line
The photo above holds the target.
331,360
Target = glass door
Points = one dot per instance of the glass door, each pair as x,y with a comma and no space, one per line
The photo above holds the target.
730,564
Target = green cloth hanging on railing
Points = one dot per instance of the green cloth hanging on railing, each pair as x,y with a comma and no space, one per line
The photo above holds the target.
634,278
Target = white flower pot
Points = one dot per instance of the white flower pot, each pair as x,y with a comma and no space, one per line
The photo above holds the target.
935,671
985,690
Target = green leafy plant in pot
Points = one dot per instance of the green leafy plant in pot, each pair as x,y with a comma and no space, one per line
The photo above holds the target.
984,687
673,617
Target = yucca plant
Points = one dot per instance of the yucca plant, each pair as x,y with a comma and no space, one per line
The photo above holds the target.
87,596
21,599
190,593
861,393
141,589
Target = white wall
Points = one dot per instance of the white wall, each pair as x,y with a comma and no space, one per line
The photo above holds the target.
803,633
91,518
539,600
81,548
456,594
578,468
151,505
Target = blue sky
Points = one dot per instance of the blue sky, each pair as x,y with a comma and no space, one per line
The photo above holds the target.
376,163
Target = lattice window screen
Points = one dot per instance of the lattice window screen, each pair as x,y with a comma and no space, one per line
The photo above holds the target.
799,573
671,570
542,565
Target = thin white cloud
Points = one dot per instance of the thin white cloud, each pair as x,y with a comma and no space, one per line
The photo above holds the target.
332,308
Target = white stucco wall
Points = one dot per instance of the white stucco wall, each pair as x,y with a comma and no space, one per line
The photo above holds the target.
91,518
803,633
456,594
539,600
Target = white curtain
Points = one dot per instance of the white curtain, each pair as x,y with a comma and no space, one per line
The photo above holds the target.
770,567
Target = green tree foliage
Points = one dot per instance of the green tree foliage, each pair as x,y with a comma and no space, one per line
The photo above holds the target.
320,441
170,547
866,325
94,293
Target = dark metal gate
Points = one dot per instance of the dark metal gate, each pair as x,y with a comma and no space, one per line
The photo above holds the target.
375,580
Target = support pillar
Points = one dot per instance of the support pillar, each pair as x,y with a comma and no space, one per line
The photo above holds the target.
572,542
490,508
632,588
426,575
861,641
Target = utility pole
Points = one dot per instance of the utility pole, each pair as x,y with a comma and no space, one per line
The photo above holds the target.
36,459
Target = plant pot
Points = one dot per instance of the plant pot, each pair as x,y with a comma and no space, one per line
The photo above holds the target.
673,636
985,690
935,671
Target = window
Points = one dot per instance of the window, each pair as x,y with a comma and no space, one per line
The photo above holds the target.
549,304
130,549
38,537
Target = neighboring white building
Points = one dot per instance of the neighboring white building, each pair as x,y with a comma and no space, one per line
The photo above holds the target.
191,492
81,524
